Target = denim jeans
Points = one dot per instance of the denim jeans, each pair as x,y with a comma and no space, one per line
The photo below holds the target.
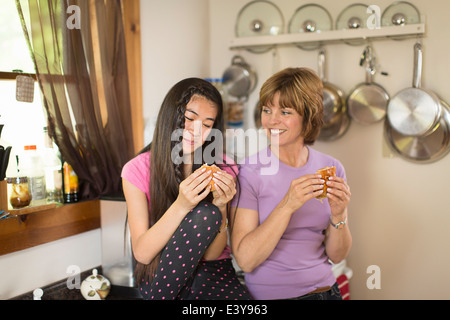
333,294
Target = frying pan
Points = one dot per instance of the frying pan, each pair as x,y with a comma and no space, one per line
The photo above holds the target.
368,102
415,111
422,149
337,129
240,79
333,97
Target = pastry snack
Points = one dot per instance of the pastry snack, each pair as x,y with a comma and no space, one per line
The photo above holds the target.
326,173
211,169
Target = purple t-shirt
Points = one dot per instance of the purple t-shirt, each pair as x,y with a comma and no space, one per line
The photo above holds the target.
298,264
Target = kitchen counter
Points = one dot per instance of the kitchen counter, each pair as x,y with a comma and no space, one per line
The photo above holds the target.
59,291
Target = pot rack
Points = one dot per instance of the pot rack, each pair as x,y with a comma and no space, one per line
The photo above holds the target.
331,37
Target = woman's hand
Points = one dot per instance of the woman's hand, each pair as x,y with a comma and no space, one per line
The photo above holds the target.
338,193
302,190
188,196
225,188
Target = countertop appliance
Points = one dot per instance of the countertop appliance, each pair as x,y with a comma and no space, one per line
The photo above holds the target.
117,257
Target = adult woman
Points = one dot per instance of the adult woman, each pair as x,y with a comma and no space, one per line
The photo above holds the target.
178,226
282,237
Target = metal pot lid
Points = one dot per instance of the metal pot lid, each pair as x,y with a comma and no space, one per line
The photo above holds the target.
353,17
259,18
367,104
310,18
400,13
422,149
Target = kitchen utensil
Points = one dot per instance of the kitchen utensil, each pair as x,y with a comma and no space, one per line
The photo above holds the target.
258,18
310,18
239,79
368,102
257,116
336,129
95,287
333,97
6,215
2,154
422,149
4,162
353,17
415,111
400,13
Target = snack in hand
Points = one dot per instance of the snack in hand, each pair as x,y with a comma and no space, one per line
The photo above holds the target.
211,169
326,173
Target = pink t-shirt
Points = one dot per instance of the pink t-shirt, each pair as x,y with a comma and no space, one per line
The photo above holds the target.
137,172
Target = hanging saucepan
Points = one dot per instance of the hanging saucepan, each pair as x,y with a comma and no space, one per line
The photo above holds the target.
239,79
368,102
415,111
257,116
333,97
337,129
422,149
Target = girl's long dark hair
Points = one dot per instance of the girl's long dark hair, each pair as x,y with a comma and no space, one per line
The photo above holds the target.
165,175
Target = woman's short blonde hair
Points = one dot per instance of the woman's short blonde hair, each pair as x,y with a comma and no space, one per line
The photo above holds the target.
302,90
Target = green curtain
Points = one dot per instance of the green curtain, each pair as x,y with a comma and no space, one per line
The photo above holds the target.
79,52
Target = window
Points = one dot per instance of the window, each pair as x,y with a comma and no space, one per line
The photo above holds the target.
23,122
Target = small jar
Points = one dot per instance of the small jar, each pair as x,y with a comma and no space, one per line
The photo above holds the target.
19,196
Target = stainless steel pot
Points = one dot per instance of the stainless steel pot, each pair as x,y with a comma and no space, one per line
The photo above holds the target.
415,111
257,116
337,129
368,102
239,79
333,97
422,149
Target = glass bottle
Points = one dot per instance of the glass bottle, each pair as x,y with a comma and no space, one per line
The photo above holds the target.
19,196
52,170
32,166
70,184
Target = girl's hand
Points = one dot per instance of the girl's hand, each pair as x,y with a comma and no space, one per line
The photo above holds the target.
189,189
338,193
225,188
302,190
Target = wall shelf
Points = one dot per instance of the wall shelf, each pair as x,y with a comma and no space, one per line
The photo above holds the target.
329,37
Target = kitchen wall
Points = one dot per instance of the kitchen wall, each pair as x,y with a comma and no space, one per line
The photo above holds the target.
175,45
164,63
29,269
399,215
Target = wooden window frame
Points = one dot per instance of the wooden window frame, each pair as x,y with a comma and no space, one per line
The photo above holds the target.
43,226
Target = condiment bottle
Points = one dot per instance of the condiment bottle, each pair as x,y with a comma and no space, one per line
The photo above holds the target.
32,166
70,184
19,196
52,170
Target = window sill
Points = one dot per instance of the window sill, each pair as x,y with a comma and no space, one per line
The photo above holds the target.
46,224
